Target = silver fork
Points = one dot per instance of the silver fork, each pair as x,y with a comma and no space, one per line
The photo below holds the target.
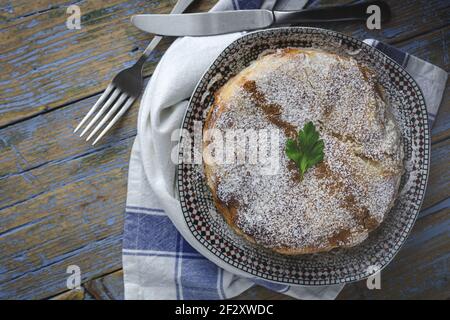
123,90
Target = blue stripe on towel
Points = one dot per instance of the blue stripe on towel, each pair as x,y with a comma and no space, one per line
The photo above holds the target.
177,268
272,286
248,4
398,56
187,248
134,208
154,233
150,232
163,254
199,279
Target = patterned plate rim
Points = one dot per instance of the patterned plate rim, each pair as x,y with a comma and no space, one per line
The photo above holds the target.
223,261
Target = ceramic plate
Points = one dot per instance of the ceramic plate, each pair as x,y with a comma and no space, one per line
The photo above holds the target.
339,265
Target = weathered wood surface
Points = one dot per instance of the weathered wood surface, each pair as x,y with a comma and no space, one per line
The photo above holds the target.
46,65
62,200
109,287
75,294
43,61
48,138
420,270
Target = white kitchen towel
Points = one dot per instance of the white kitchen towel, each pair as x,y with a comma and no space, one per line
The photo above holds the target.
159,258
430,78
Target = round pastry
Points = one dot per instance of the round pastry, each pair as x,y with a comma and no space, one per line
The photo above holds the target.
337,202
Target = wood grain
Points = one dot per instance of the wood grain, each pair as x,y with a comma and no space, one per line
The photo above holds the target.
33,154
17,9
109,287
22,144
83,205
62,200
419,271
75,294
438,188
29,148
78,222
409,19
45,65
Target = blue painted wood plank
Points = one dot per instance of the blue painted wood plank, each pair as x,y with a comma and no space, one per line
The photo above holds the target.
76,217
45,65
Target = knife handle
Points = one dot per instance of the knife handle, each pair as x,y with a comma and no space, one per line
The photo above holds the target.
334,13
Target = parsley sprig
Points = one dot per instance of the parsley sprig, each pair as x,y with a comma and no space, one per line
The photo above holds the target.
307,150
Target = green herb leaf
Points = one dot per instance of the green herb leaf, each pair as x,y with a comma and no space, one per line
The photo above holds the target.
307,150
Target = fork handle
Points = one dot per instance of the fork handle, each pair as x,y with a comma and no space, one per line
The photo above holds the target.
155,41
179,7
335,13
140,63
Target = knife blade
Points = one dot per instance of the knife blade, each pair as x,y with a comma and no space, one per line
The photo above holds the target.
203,24
179,7
213,23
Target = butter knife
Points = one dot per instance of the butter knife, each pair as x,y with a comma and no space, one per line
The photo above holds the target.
213,23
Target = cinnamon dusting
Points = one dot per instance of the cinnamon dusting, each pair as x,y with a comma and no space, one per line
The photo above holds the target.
271,110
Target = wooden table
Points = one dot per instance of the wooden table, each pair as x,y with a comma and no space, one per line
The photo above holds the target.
62,200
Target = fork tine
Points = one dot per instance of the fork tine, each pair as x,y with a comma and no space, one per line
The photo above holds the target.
111,111
102,110
114,120
96,105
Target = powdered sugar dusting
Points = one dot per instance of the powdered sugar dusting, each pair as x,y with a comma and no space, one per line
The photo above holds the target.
346,196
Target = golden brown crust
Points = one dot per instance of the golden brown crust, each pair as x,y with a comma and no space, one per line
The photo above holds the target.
384,170
229,212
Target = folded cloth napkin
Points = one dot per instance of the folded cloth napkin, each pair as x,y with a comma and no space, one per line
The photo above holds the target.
430,78
159,260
